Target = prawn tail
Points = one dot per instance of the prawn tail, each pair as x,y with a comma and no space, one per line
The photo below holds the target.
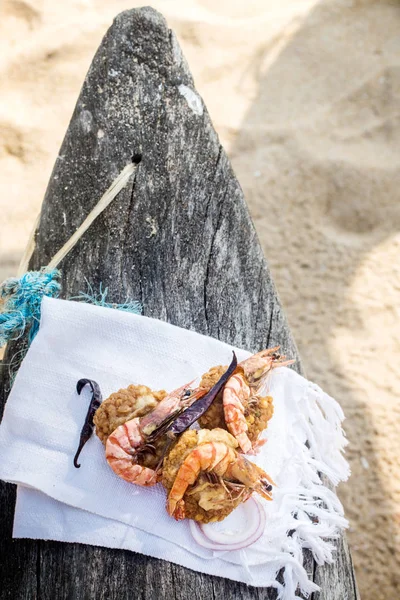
176,509
256,447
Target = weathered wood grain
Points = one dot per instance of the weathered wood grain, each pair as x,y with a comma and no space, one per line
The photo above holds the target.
179,239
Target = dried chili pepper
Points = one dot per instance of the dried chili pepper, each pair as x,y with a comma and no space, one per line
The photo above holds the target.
198,408
176,424
88,425
190,415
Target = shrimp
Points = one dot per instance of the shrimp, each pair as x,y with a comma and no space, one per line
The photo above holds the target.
123,405
244,407
221,460
127,446
155,432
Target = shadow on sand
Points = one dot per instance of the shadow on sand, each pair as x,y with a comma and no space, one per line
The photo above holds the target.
316,158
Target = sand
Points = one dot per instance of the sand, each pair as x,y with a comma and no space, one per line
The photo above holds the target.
305,97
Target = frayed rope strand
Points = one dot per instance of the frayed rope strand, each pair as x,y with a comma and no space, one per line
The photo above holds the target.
100,299
21,299
27,293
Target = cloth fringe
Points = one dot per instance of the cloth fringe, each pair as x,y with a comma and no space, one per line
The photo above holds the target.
317,515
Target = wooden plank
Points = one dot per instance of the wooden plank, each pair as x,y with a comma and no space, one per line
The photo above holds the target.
338,579
18,558
179,239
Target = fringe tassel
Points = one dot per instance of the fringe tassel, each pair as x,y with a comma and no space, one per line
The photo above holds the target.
310,514
317,516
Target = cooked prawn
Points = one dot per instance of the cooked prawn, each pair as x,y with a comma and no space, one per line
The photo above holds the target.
123,405
222,460
126,446
244,390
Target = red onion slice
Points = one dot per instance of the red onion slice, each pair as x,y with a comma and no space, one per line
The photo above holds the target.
240,529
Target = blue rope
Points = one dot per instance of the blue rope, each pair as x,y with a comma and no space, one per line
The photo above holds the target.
22,299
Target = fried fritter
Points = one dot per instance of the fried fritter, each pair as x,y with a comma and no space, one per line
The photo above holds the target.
209,499
124,405
257,414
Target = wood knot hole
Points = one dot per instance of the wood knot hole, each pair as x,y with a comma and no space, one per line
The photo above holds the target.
136,158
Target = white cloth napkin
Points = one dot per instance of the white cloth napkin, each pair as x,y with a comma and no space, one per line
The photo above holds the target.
44,415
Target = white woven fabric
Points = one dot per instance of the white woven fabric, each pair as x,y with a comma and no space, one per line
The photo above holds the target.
41,427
